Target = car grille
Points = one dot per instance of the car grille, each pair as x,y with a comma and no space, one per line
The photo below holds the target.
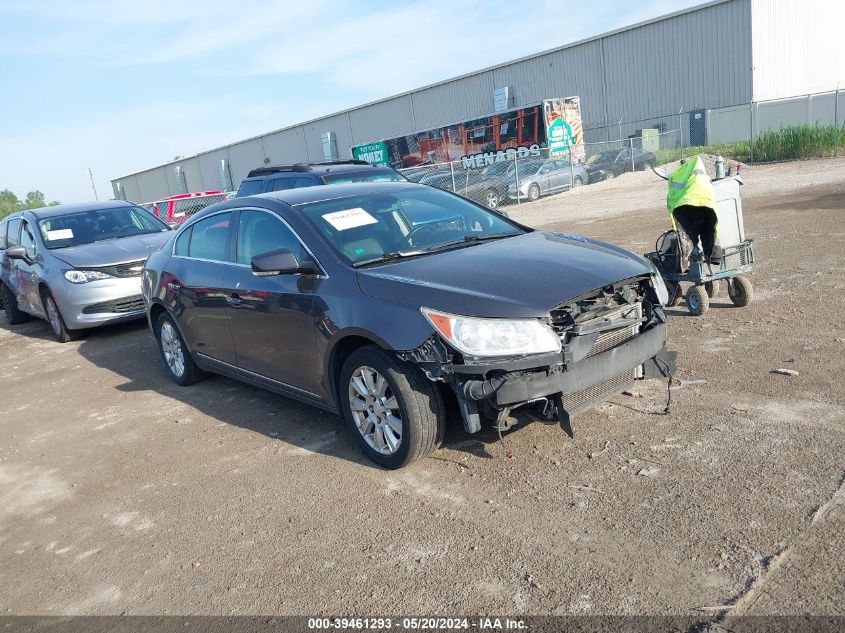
128,269
580,400
611,338
118,306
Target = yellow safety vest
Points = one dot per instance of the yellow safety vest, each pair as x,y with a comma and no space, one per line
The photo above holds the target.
690,185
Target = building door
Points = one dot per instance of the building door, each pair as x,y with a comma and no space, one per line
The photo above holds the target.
697,128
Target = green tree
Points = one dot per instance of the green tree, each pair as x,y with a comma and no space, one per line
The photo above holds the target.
34,200
8,203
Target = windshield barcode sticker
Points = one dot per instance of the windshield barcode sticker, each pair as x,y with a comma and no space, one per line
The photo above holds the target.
349,219
60,234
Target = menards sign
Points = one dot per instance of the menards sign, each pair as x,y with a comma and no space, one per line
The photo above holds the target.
483,159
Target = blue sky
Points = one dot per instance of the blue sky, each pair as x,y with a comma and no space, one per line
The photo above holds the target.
122,86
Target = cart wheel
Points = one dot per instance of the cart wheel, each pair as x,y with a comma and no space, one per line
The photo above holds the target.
675,293
697,300
712,288
739,290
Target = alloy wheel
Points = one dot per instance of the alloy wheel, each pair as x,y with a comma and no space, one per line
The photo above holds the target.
171,346
492,199
375,410
53,316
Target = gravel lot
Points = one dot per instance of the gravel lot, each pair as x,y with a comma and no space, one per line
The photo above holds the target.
123,493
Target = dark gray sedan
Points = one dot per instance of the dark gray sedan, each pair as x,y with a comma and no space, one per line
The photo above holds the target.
77,265
384,301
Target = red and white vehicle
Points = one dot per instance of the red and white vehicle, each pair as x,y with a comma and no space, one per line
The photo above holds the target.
176,209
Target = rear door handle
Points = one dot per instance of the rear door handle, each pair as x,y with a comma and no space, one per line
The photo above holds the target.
234,300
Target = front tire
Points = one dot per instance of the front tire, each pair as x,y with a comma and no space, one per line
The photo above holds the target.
394,412
578,181
534,192
491,199
697,300
675,293
14,315
54,318
177,359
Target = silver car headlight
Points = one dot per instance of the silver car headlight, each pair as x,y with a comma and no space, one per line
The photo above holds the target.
84,276
494,337
659,285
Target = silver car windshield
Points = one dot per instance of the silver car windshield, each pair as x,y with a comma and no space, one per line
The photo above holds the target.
390,224
96,225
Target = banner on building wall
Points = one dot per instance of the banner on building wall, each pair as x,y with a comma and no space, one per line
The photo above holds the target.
373,153
564,127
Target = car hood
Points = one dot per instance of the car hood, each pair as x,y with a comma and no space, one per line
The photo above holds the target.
521,276
115,251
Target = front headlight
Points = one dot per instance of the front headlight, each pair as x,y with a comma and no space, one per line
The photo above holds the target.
494,337
84,276
659,285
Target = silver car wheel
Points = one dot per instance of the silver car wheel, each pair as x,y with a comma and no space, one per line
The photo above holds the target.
375,410
492,199
53,316
171,346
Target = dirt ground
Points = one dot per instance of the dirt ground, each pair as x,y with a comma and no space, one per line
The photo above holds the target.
121,492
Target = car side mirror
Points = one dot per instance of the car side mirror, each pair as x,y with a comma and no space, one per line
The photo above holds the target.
282,261
17,252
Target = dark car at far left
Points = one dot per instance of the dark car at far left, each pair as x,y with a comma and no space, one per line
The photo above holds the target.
77,266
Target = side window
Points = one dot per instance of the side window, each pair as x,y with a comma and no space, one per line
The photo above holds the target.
303,182
280,183
182,243
250,187
28,240
13,237
210,238
3,236
260,232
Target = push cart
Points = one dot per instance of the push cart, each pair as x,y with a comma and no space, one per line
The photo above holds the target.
706,278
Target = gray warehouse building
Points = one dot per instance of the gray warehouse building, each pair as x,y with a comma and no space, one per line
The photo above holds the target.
718,72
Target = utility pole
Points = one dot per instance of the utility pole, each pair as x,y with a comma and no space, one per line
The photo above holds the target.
93,186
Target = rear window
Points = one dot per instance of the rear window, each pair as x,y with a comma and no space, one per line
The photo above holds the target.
250,188
369,175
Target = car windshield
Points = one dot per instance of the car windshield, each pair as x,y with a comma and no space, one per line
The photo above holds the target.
603,157
382,226
363,176
96,225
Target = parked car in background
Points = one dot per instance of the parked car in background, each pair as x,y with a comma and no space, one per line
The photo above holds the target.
488,186
610,163
174,210
281,177
381,301
76,265
545,176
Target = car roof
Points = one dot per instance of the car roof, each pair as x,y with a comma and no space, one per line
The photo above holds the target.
63,209
320,169
307,195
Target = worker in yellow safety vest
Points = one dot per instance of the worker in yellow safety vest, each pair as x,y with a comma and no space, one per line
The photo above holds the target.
692,207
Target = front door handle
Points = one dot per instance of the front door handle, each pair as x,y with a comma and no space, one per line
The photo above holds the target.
234,300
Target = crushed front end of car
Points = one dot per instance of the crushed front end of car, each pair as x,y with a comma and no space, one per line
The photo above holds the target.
604,340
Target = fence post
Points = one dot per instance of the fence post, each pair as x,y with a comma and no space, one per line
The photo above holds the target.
452,169
836,121
571,169
631,143
751,133
516,176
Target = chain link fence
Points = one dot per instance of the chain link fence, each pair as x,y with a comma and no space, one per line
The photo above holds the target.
177,209
514,176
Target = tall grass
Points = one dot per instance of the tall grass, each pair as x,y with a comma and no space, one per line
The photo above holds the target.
788,143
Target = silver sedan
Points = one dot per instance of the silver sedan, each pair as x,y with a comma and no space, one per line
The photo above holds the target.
543,177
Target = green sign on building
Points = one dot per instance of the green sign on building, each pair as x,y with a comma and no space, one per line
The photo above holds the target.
560,137
373,153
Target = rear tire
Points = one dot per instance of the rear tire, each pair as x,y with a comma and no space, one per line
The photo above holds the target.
740,291
712,288
675,293
54,318
374,421
177,359
578,181
14,315
491,199
646,166
697,300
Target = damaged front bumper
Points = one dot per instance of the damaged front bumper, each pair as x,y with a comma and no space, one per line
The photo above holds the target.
594,364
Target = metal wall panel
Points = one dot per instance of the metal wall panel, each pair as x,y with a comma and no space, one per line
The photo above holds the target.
285,147
130,188
382,120
453,102
339,124
152,185
209,167
797,47
699,59
244,157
